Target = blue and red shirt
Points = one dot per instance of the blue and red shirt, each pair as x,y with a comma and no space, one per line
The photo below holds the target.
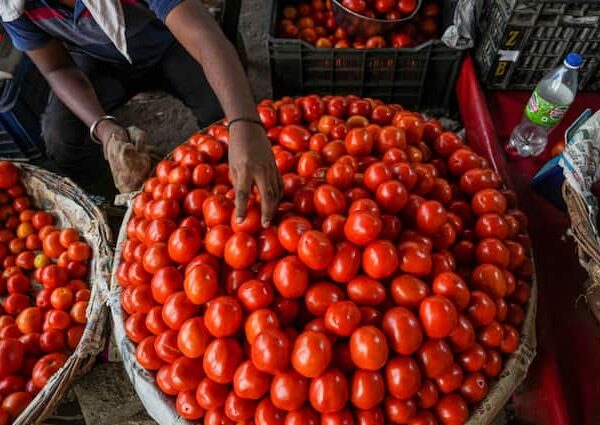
147,36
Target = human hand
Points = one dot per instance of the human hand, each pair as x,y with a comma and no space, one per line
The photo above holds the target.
251,160
127,156
106,129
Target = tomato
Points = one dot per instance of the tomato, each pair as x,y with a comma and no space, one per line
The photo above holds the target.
18,283
342,318
200,284
329,393
427,395
239,409
221,359
315,250
217,417
216,238
267,414
477,179
438,316
156,257
380,259
488,277
403,377
290,277
289,114
399,411
365,291
435,357
482,309
474,388
223,316
289,390
52,340
15,403
177,309
450,380
187,406
311,354
30,320
241,250
368,348
333,227
462,336
259,321
473,359
271,351
165,346
290,230
392,196
403,330
303,416
9,175
11,384
320,296
186,374
462,160
46,367
358,142
294,138
452,409
211,395
249,382
452,287
375,175
11,356
362,227
408,291
329,200
414,258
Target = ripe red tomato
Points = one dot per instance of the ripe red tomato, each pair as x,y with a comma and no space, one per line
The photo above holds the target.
329,393
290,277
368,348
435,357
289,390
46,367
403,330
312,354
342,318
271,351
315,250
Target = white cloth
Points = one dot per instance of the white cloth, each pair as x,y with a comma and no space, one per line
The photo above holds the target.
108,14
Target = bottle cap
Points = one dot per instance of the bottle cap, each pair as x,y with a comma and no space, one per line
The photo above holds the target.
573,60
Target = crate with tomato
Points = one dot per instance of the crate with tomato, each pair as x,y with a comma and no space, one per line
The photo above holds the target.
311,50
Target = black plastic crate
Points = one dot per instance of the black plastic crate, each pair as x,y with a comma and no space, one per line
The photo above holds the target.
520,41
420,78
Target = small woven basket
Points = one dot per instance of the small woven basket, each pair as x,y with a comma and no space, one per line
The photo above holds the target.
71,207
587,245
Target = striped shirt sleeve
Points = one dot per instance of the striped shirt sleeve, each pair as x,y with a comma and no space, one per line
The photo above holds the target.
162,7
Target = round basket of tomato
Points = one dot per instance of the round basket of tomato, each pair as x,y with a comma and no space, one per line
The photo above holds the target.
395,284
55,257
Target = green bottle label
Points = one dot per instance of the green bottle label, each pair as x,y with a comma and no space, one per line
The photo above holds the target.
542,112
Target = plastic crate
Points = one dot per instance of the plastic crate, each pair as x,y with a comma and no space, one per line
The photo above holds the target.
520,41
420,78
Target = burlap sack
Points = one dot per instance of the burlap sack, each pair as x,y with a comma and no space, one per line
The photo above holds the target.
71,207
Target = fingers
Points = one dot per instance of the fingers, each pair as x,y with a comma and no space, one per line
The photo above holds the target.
243,185
270,188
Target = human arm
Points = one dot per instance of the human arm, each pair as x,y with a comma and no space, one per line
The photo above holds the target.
251,159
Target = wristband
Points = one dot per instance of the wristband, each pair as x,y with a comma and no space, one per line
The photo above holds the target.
248,120
95,125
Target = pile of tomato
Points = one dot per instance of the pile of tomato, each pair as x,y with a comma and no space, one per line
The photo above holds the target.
313,22
43,292
390,287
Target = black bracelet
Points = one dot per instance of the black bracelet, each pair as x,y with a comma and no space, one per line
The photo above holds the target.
248,120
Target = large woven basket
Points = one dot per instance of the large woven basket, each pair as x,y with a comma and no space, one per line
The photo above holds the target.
587,245
71,207
162,408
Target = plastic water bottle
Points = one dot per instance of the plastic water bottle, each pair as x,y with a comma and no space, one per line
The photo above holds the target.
546,107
